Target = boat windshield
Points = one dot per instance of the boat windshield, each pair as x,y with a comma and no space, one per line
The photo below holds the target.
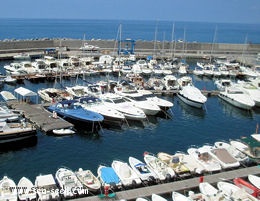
119,100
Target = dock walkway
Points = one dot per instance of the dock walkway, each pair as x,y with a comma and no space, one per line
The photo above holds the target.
42,118
181,186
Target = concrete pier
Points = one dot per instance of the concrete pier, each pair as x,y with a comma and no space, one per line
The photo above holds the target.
180,186
157,49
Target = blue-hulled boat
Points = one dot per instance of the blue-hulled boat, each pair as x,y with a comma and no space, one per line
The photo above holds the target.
70,110
108,177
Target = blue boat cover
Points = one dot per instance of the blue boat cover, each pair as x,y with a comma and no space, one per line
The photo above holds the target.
108,175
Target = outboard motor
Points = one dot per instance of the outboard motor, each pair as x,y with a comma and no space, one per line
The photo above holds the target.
168,178
151,180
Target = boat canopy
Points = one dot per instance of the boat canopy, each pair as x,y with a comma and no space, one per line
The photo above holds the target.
253,144
25,92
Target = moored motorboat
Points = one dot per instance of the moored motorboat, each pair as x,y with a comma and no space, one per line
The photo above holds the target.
69,183
175,162
145,173
225,159
164,172
47,188
189,161
63,131
256,136
176,196
26,190
156,197
202,156
192,96
8,189
88,179
96,105
128,177
71,110
118,103
237,98
210,191
14,132
248,187
255,180
162,103
233,192
108,177
238,155
249,146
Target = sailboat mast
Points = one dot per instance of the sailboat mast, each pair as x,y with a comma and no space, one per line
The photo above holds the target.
213,43
172,41
155,40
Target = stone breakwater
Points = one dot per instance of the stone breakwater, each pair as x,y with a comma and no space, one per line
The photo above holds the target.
142,48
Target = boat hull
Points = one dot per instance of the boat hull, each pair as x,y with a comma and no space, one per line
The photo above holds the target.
189,101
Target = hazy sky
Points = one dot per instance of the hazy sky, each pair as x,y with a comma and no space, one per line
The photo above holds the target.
240,11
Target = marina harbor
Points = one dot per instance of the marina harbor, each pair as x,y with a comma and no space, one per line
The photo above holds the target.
129,119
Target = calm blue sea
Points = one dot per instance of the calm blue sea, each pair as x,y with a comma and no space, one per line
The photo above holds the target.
188,126
137,30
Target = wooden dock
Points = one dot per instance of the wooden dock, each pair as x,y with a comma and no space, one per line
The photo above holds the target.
180,186
38,115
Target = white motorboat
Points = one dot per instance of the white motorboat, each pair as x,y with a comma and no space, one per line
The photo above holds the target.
88,179
26,190
7,114
179,197
67,181
10,80
156,197
162,103
237,97
170,82
233,192
141,199
96,105
7,96
139,101
251,90
22,56
8,189
77,91
255,180
221,84
163,171
182,69
198,71
248,146
127,175
202,156
192,96
225,159
155,83
175,162
63,131
256,136
47,188
210,191
191,163
184,81
238,155
108,177
16,131
145,173
54,95
118,103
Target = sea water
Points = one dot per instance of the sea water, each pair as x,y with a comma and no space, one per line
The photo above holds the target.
188,126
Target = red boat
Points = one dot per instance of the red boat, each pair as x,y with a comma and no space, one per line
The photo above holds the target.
249,188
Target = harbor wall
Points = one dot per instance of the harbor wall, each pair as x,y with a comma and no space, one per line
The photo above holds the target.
141,47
